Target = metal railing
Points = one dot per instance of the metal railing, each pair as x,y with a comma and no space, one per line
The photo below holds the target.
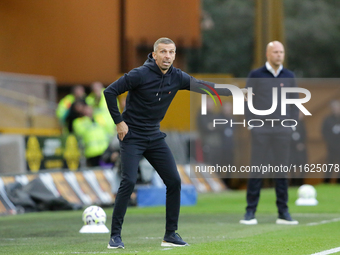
31,105
26,96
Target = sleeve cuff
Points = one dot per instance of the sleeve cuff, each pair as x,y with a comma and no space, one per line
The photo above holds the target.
118,119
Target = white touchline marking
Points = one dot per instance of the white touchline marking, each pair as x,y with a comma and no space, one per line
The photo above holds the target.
331,251
153,238
323,222
75,252
80,252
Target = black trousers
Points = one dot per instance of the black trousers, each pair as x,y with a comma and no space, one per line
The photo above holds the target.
270,145
157,152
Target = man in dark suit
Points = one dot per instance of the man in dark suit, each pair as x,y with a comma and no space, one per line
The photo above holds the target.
272,136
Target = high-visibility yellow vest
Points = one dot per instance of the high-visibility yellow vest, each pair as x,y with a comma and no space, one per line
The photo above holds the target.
104,119
93,136
92,101
101,112
64,106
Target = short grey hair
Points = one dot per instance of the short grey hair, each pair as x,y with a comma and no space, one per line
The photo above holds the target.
162,40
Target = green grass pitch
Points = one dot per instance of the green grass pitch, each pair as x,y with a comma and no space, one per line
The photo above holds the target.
210,227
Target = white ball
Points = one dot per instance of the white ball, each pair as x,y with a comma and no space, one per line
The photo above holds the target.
94,215
306,191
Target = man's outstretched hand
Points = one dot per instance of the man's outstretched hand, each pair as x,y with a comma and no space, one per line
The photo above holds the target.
245,93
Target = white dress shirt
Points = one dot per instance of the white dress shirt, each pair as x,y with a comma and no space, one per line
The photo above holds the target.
271,69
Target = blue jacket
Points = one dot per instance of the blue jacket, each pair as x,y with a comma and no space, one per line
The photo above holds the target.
262,81
150,94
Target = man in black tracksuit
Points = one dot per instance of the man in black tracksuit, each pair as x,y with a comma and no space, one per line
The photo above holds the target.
270,142
151,89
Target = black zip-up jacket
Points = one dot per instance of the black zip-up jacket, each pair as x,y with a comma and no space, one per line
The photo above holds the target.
150,94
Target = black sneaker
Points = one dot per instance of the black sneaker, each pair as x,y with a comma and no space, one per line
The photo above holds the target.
249,219
173,239
286,219
115,243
